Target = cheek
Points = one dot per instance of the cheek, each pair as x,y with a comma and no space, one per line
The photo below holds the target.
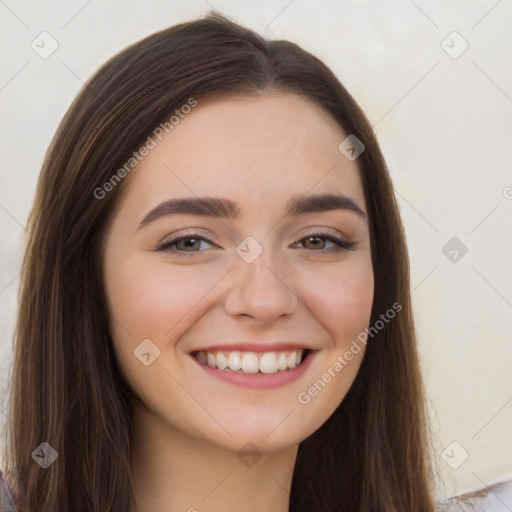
150,299
343,302
343,306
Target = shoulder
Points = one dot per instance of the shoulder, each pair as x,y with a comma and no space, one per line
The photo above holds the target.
492,498
7,493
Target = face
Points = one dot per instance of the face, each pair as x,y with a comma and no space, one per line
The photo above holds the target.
270,280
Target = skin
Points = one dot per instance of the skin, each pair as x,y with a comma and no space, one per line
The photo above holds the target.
189,427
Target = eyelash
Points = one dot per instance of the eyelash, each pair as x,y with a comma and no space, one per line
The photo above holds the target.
166,245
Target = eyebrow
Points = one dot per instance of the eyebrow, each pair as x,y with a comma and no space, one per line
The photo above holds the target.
225,208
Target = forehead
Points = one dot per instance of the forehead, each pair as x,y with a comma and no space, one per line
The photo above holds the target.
257,150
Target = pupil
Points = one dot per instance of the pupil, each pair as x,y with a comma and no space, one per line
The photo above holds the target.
314,238
189,242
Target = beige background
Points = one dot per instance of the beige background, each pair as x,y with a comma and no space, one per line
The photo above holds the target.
444,123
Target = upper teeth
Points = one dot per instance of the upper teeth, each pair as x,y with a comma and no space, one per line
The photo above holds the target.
252,362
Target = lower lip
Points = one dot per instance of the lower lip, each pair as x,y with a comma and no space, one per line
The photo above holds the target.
259,380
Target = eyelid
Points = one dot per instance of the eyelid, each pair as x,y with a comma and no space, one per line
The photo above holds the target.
319,230
186,232
323,231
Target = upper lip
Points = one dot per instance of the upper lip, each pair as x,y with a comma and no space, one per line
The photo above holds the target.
254,346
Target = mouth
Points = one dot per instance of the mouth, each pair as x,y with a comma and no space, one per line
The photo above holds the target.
251,362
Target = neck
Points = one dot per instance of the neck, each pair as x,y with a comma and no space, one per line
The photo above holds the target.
175,472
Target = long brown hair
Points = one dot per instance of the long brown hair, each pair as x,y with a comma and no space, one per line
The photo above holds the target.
373,454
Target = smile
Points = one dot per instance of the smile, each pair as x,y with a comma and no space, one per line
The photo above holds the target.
253,362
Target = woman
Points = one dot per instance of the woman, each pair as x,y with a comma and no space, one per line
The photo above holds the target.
276,368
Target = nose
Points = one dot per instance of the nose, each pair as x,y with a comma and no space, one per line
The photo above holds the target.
261,290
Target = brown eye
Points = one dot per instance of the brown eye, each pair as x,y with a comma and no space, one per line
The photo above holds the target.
314,240
317,242
183,245
188,243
